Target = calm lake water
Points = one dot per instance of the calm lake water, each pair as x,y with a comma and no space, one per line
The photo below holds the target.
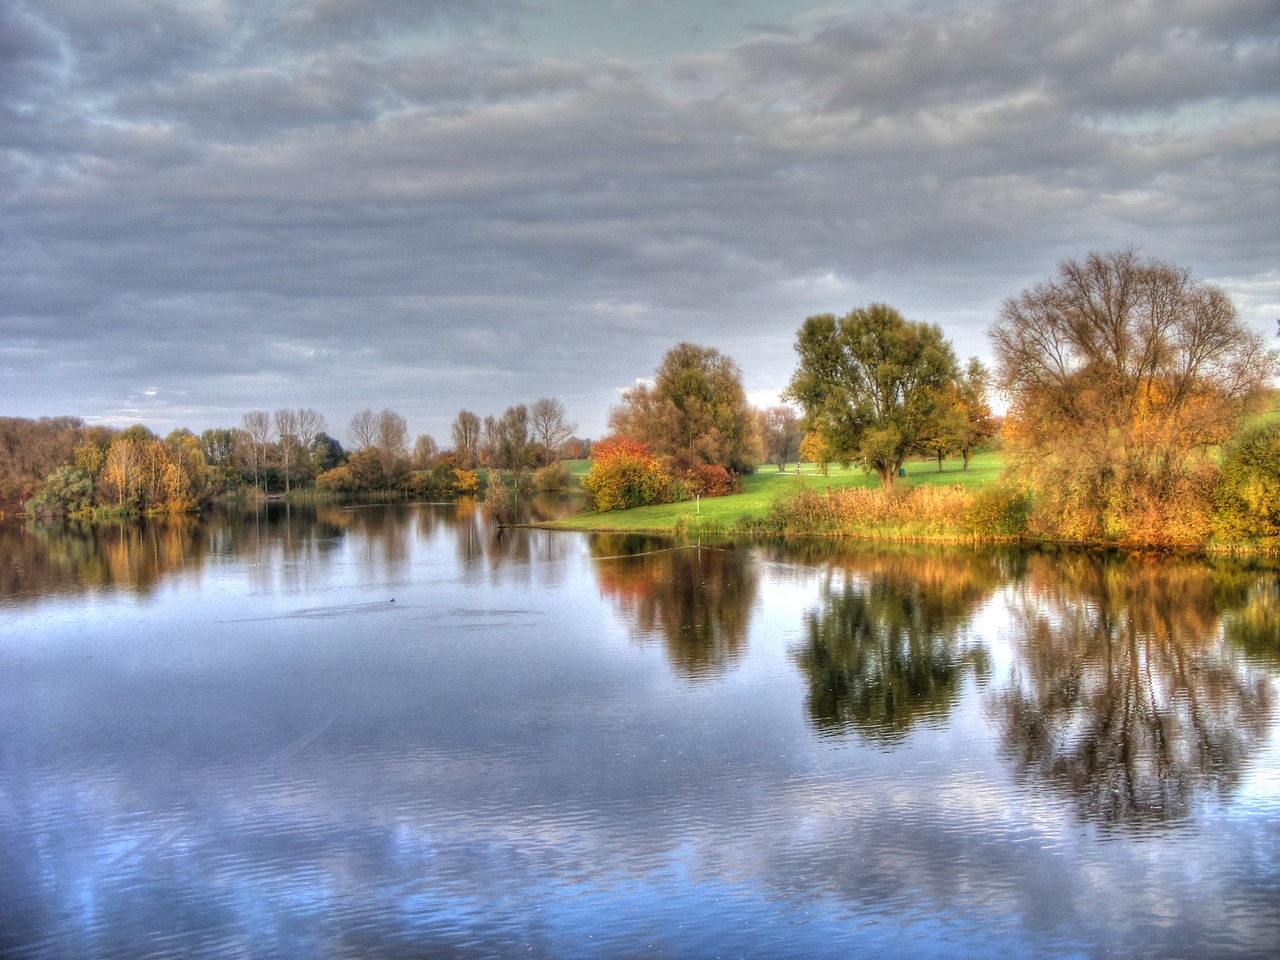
391,732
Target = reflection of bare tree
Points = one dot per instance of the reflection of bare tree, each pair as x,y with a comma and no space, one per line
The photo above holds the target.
887,646
1126,697
520,554
697,599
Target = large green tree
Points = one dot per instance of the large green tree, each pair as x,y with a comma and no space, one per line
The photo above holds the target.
872,384
695,412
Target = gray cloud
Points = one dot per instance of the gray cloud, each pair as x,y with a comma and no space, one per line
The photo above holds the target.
307,204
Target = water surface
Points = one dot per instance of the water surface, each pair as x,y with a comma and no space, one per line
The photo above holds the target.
396,732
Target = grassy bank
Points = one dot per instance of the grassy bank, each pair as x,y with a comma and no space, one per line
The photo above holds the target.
763,488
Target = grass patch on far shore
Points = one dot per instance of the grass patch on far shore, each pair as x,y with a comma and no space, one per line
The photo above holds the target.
767,485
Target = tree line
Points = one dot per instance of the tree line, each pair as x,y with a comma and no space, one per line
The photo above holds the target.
61,466
1128,384
1126,380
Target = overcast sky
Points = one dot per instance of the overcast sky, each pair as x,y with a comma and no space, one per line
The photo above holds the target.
216,206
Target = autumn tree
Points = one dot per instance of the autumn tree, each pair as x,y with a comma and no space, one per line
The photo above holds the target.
425,451
979,424
963,419
1121,374
310,425
386,433
30,450
256,429
779,434
872,384
514,440
287,441
696,412
624,474
391,439
466,439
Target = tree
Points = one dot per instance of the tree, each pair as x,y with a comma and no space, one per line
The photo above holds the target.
391,438
1121,374
326,453
964,418
362,431
256,425
980,425
67,491
625,474
218,446
466,439
696,412
550,426
871,384
490,441
779,434
286,426
310,425
514,440
425,451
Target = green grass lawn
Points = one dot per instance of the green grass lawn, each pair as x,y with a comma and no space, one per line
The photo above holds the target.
766,485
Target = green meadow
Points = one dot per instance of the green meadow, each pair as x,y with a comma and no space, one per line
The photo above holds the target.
768,484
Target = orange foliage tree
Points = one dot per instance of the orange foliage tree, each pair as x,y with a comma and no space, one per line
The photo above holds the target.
625,474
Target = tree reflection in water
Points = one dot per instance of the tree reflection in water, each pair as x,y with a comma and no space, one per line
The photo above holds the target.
1125,696
888,645
696,599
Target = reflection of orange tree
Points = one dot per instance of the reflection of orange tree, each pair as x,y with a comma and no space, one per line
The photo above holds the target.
697,599
886,646
1127,699
72,557
136,555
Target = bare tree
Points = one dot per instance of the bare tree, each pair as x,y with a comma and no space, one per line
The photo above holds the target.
490,441
257,428
780,434
1121,374
311,424
425,451
514,440
391,437
286,427
362,431
466,439
550,426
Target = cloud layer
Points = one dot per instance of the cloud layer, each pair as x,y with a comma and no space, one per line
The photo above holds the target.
223,205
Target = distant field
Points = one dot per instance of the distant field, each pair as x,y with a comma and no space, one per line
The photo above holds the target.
766,485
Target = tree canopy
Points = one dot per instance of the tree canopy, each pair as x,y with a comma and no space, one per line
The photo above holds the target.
1121,374
695,412
872,384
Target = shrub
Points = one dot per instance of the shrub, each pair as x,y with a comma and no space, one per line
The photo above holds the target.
1246,499
708,480
998,512
624,474
499,501
465,481
553,478
925,511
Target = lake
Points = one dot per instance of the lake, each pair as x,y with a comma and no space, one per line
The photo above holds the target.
394,731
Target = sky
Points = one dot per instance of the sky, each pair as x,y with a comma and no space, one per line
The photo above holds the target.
209,207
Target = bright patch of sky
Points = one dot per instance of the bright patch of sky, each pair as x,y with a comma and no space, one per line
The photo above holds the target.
653,29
